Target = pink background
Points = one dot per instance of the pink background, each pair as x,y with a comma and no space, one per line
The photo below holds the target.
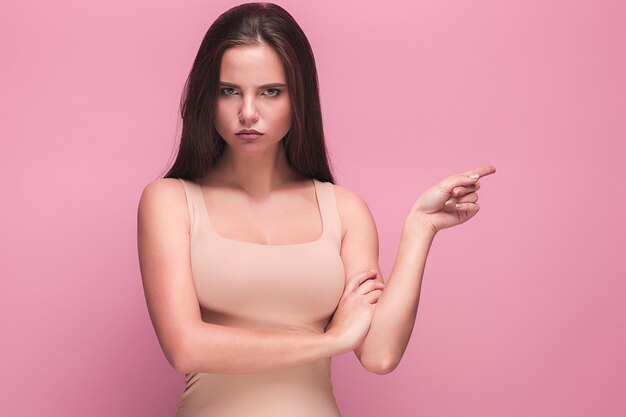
522,310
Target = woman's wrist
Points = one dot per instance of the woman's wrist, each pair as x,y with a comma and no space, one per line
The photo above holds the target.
334,344
416,226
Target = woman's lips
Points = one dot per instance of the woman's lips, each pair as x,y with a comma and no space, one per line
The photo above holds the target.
249,134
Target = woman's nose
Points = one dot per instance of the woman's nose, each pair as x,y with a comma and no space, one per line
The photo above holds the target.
248,111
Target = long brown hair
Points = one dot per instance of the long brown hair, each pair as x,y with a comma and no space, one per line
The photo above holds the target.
252,23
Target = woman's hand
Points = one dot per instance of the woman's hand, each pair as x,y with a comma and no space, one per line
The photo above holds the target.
353,316
451,201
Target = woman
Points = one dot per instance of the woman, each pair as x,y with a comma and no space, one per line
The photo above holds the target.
257,268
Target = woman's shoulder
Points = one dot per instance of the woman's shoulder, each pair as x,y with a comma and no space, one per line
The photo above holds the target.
348,199
163,196
352,208
163,188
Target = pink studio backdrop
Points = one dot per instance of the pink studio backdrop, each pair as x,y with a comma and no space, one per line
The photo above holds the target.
522,310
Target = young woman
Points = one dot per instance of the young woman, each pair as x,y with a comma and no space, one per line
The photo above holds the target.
258,268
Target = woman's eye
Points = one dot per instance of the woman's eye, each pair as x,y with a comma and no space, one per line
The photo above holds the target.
228,91
272,92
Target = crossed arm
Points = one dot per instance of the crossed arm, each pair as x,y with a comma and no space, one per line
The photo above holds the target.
190,344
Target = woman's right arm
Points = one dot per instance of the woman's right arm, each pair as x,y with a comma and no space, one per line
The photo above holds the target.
189,344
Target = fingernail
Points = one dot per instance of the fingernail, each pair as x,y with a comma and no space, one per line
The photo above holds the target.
457,192
449,202
459,205
474,176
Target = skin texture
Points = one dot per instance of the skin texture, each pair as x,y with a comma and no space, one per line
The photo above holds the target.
262,199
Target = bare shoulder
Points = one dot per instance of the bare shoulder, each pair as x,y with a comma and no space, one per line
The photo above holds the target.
164,198
353,210
163,188
348,199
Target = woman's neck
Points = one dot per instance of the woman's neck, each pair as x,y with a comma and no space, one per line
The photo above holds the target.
258,175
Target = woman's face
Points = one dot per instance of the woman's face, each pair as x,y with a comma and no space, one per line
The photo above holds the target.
252,95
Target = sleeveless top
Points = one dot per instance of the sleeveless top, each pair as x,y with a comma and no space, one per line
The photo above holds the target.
293,287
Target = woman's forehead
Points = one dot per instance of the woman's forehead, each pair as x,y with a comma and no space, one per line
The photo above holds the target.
251,65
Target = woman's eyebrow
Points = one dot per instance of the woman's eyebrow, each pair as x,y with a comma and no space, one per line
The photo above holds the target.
271,85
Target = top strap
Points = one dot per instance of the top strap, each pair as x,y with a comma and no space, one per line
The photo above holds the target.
191,195
328,206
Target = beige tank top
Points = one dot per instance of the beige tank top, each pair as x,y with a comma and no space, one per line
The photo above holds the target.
273,287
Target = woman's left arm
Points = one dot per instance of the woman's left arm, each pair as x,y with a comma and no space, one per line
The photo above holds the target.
394,316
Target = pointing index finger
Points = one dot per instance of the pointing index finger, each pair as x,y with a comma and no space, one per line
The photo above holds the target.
466,178
481,172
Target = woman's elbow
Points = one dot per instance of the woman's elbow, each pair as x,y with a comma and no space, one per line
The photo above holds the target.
180,364
381,366
179,358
